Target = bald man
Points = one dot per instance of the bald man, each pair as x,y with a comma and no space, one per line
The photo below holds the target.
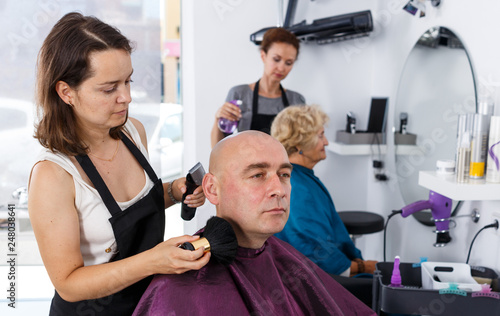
249,183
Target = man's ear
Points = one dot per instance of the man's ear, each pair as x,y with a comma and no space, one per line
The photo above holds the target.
65,92
210,188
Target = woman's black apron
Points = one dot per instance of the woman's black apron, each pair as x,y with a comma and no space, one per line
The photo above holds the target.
262,122
138,228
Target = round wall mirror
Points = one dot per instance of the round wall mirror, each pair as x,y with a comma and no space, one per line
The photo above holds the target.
437,84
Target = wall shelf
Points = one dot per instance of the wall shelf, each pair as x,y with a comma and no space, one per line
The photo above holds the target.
364,149
367,149
474,190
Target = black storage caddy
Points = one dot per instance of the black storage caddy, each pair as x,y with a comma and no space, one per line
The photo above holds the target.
413,300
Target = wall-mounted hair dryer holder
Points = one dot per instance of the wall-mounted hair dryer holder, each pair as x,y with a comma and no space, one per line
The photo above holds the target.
474,215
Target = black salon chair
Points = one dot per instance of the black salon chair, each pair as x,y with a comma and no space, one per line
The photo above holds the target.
360,223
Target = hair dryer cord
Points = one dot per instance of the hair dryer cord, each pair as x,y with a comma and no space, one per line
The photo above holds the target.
385,228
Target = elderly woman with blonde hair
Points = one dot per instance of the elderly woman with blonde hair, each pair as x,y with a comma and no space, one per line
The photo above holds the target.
314,227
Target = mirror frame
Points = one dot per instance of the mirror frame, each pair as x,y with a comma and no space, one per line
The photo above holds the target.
425,217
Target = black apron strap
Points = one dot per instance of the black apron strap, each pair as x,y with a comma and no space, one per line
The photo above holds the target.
283,97
262,122
139,156
255,100
98,183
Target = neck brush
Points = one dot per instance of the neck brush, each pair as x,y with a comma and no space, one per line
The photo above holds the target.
219,238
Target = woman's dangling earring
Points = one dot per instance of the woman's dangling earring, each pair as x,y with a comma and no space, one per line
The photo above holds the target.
300,152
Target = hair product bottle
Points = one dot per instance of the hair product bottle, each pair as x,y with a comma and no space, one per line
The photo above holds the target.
228,126
462,157
479,145
493,164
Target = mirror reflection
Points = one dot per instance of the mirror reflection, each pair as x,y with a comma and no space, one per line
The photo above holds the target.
437,84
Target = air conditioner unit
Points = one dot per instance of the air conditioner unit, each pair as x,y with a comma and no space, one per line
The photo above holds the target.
328,30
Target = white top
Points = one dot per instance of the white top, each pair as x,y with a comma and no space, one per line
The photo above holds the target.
96,233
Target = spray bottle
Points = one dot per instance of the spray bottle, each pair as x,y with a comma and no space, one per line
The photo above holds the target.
228,126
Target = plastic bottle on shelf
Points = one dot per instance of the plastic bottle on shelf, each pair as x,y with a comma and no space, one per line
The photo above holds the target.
480,133
228,126
464,131
493,164
479,146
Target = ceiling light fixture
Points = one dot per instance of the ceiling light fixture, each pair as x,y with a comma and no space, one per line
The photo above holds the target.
414,6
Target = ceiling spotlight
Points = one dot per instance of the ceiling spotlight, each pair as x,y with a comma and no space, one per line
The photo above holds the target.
410,8
422,11
414,6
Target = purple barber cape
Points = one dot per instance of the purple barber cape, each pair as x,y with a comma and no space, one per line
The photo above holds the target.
273,280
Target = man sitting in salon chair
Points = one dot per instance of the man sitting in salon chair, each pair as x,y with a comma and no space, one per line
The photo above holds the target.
249,183
314,227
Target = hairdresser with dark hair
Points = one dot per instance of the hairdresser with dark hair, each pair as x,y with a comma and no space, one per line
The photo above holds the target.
314,226
96,206
263,99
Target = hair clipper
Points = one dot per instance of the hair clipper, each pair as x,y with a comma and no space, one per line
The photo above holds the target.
193,180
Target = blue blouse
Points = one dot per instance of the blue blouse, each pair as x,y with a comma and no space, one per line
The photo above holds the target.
314,226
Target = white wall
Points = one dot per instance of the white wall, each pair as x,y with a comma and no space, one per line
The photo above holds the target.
474,23
340,77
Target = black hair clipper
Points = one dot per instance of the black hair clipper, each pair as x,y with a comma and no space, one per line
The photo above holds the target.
193,180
